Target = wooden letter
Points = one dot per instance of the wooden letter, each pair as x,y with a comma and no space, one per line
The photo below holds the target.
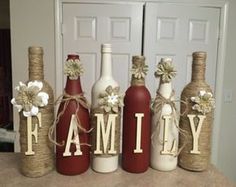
138,132
111,123
195,132
173,150
32,133
73,130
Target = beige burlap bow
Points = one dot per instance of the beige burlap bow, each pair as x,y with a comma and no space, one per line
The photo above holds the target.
158,104
66,99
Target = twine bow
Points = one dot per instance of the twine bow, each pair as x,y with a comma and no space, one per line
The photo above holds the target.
159,103
66,99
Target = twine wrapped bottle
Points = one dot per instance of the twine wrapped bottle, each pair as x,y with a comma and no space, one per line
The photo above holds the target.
41,161
105,116
72,128
195,155
136,121
164,146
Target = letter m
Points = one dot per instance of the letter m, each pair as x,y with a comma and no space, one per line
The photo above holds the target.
106,133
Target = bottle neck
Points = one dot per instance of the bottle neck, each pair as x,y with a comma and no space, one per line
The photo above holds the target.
138,63
73,87
198,71
137,82
165,89
36,67
106,65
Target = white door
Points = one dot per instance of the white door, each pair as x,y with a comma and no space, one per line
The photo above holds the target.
176,31
87,26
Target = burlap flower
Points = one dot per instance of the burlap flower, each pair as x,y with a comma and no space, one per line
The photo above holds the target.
204,102
111,100
139,71
30,98
165,70
73,69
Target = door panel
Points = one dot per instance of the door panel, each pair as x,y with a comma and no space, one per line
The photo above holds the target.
176,31
87,26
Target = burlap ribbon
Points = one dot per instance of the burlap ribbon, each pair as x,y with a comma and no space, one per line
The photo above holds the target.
159,103
66,99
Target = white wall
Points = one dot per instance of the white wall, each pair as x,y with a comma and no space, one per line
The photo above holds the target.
32,23
227,147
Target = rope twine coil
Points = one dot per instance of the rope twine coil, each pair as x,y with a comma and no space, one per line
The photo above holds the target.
42,162
187,160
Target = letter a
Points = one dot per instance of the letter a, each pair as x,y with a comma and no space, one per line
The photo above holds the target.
73,130
195,132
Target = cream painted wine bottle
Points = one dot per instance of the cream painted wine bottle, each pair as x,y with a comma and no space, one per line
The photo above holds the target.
105,117
164,139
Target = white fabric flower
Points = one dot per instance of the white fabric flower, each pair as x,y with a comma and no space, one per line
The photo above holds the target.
111,100
33,112
35,84
30,98
44,97
19,107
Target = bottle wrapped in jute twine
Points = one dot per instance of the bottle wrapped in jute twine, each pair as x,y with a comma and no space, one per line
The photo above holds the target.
42,160
196,106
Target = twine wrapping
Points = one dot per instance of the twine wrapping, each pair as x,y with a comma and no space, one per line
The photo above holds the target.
195,162
159,103
42,161
139,71
65,98
94,134
36,63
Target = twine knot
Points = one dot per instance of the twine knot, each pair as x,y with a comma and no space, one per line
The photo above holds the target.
79,98
66,99
158,104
